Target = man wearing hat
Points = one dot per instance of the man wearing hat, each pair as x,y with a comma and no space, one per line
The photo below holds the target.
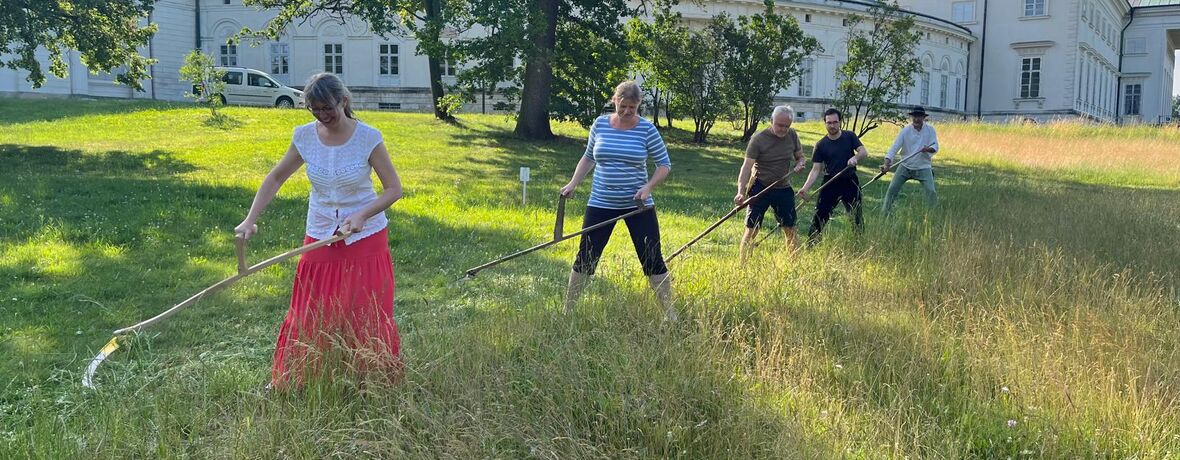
916,137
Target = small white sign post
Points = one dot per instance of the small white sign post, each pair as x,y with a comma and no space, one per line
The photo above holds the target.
524,185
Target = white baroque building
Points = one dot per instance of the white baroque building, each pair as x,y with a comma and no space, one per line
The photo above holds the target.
1102,60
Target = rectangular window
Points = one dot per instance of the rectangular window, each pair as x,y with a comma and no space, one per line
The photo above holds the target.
387,55
807,18
229,55
334,58
963,12
806,77
448,67
1134,95
958,93
280,58
1094,84
1102,91
844,22
1034,7
942,91
1030,77
925,90
1086,81
1106,84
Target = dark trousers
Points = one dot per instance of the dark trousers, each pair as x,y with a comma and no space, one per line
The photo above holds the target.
845,189
645,235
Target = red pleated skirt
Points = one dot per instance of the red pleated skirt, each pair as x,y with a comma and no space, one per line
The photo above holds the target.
341,313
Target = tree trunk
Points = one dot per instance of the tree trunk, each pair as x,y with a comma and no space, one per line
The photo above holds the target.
434,13
436,88
533,119
751,124
668,108
655,104
700,130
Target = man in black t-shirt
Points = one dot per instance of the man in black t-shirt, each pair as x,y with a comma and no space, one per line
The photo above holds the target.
837,155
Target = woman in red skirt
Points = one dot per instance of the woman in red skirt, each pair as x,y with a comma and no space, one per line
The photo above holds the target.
342,298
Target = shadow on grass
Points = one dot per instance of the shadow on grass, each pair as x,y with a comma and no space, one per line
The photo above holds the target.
18,111
94,242
886,368
700,185
47,161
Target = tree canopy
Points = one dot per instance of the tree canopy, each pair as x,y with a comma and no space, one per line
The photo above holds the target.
106,33
880,69
423,20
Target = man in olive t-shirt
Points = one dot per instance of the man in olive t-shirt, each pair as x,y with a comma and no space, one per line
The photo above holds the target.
771,154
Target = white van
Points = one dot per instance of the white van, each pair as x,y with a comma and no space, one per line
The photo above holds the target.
254,87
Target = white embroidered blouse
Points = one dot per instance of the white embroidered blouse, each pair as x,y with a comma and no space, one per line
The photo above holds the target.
341,182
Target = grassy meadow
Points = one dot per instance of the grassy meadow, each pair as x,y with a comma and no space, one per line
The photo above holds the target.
1033,314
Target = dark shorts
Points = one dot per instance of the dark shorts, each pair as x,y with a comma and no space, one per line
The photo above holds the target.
781,199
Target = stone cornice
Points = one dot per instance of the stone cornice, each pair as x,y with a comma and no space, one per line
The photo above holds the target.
790,7
1032,48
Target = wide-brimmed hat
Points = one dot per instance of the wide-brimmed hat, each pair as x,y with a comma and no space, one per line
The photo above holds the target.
918,112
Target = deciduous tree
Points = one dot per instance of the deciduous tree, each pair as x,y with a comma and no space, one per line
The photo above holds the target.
761,56
106,33
880,69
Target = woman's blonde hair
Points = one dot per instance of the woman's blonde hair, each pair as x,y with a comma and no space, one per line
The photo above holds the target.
326,89
629,91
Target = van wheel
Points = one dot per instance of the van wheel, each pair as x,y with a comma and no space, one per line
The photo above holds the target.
284,103
222,97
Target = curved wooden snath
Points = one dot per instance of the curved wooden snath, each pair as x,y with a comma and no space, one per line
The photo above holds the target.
727,216
882,173
821,187
801,202
243,271
557,237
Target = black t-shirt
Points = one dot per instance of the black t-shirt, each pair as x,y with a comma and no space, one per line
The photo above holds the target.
834,154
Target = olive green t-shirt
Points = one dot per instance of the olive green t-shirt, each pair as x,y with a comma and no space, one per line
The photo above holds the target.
773,156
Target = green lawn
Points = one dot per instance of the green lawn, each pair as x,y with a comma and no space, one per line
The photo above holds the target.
1034,314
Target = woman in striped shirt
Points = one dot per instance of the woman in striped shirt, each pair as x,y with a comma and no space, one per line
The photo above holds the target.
618,149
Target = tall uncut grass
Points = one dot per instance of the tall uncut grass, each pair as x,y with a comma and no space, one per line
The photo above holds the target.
1034,314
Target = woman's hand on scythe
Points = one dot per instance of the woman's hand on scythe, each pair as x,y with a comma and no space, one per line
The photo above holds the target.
246,229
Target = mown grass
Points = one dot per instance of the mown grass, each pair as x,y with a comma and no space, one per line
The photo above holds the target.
1032,315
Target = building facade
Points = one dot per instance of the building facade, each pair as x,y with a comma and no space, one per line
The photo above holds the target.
1102,60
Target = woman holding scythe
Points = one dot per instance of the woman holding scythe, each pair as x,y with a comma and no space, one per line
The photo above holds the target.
342,293
618,148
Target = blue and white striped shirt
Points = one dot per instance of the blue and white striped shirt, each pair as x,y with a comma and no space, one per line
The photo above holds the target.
620,161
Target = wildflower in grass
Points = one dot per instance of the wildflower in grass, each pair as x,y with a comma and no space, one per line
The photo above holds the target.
1011,423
